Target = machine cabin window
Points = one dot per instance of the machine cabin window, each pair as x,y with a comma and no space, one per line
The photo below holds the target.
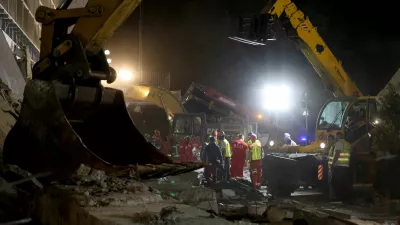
332,115
356,121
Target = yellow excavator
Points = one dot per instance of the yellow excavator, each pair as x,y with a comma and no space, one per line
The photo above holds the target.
349,111
67,117
152,108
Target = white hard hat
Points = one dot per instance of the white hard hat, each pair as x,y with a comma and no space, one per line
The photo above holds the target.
286,135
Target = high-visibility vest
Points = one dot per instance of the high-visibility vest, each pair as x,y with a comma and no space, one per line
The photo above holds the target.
344,157
228,152
256,150
249,143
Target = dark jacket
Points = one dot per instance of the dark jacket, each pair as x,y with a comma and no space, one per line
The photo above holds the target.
213,152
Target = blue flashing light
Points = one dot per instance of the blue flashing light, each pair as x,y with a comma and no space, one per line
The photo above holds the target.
303,139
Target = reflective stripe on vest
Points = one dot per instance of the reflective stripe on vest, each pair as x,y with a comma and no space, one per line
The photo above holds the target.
344,156
228,152
256,150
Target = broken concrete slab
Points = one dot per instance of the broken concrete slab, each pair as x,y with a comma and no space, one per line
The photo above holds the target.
257,209
200,197
228,193
63,205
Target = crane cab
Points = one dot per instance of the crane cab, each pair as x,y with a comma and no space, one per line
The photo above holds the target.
355,117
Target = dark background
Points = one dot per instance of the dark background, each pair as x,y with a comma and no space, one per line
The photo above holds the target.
188,38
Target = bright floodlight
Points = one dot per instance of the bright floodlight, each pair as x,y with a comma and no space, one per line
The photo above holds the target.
271,143
109,60
277,98
125,75
107,52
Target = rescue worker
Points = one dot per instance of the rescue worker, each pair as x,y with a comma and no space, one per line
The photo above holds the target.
214,159
204,158
248,155
248,137
339,169
238,148
226,153
157,141
183,147
287,140
214,134
255,163
331,144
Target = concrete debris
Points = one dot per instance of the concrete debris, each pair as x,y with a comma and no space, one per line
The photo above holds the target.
58,206
181,189
14,204
257,209
239,192
199,197
228,193
277,214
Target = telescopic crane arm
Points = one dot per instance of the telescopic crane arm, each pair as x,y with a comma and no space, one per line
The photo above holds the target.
328,67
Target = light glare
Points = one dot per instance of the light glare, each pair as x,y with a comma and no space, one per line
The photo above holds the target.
107,52
277,98
271,143
125,75
109,60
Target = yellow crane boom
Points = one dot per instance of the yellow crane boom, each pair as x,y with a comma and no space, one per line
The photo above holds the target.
328,67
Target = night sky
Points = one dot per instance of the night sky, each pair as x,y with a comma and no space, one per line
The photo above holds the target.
188,38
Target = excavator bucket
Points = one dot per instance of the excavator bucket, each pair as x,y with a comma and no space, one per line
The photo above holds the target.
49,138
67,117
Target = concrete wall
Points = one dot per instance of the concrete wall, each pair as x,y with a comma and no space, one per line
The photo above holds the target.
395,81
78,4
10,74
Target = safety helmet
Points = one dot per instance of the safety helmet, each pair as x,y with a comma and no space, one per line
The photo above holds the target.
253,135
286,135
214,133
249,134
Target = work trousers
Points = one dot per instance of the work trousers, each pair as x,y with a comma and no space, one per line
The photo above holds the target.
255,166
227,167
214,172
340,183
237,168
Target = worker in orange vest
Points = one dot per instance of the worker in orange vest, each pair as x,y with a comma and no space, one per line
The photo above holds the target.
255,158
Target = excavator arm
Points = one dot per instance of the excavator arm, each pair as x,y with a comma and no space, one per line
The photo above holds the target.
67,117
308,40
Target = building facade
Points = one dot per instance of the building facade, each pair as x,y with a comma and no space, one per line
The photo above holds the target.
17,21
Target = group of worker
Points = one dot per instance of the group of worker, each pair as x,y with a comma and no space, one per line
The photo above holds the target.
227,159
188,148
